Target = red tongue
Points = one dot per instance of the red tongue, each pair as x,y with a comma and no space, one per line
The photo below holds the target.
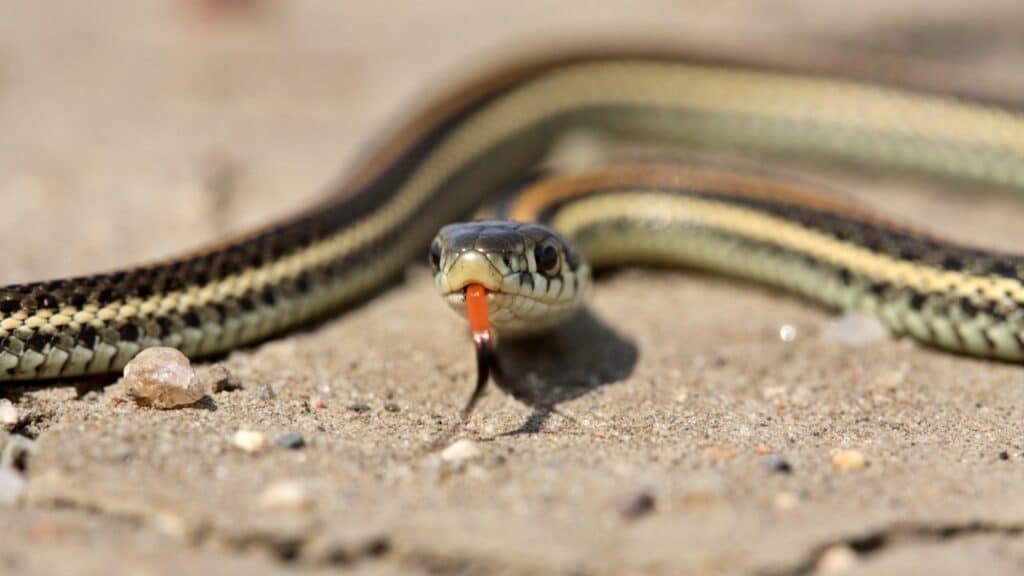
476,310
483,339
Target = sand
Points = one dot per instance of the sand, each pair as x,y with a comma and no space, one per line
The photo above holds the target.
700,441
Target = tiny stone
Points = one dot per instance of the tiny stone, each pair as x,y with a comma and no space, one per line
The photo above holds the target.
162,378
636,505
845,460
836,560
391,407
16,451
248,440
286,495
291,441
787,333
265,393
461,451
8,415
172,525
856,329
719,452
891,379
785,501
317,403
359,407
12,484
222,380
776,463
1004,455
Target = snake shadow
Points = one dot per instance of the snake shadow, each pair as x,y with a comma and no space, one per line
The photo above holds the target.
576,359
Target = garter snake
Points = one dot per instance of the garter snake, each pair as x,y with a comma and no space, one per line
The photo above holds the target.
444,162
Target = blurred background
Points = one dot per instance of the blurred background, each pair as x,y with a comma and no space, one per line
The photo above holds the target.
135,129
132,129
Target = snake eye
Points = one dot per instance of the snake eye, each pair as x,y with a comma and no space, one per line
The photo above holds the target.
546,257
435,254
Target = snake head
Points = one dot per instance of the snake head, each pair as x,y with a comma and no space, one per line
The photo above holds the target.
534,278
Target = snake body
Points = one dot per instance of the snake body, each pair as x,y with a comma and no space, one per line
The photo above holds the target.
447,160
772,232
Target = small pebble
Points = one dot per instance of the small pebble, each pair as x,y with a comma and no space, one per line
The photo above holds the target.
16,451
636,505
391,407
836,560
892,379
776,463
249,440
222,380
8,415
286,495
719,452
265,393
461,451
12,484
787,333
162,378
845,460
172,525
359,407
1004,455
317,403
785,501
856,329
291,441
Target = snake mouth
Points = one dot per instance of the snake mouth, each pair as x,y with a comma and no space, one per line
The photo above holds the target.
457,297
470,268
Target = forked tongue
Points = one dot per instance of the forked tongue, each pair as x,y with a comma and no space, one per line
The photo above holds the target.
487,357
483,339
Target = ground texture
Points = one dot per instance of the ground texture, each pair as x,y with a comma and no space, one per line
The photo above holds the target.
131,130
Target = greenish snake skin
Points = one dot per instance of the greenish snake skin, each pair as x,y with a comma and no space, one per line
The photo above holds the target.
444,162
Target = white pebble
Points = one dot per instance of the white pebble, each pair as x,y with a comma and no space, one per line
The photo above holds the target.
249,440
785,501
837,560
846,460
787,333
162,378
461,451
855,329
891,379
8,415
286,495
12,484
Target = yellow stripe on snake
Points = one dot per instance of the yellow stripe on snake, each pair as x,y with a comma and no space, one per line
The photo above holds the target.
473,142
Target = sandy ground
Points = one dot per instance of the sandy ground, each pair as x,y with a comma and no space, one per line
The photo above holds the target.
130,130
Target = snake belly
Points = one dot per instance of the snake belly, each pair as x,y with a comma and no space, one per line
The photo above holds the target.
449,158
